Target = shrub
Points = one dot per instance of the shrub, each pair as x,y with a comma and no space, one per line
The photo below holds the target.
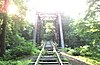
76,53
24,49
88,54
14,62
65,49
71,51
20,51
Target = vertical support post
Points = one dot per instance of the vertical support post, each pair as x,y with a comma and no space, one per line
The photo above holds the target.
42,30
57,32
35,30
38,39
61,31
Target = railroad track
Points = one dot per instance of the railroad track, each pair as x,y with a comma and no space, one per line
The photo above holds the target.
49,56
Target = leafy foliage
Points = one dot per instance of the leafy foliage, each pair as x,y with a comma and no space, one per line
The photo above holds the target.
84,35
14,62
49,31
20,51
18,35
71,35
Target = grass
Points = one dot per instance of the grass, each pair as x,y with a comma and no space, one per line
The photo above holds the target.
90,60
90,56
10,62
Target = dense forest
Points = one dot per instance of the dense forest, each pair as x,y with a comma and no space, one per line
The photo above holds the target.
81,37
16,35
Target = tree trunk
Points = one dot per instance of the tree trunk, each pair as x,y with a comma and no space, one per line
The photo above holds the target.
3,35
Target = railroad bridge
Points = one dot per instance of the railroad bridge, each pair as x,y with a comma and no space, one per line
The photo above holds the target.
41,19
50,54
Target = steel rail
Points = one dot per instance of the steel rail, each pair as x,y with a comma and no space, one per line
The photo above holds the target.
40,54
61,63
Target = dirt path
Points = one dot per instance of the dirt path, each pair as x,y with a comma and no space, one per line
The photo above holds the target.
73,60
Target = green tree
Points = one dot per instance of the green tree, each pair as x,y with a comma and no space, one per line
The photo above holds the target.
49,29
3,33
13,26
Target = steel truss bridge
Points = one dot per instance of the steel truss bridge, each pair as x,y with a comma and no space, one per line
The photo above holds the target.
41,18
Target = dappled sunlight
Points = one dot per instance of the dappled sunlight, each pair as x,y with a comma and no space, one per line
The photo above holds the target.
49,32
12,9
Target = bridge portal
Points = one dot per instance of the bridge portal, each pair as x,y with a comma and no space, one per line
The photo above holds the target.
39,31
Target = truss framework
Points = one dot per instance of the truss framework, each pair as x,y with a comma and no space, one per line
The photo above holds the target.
56,17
